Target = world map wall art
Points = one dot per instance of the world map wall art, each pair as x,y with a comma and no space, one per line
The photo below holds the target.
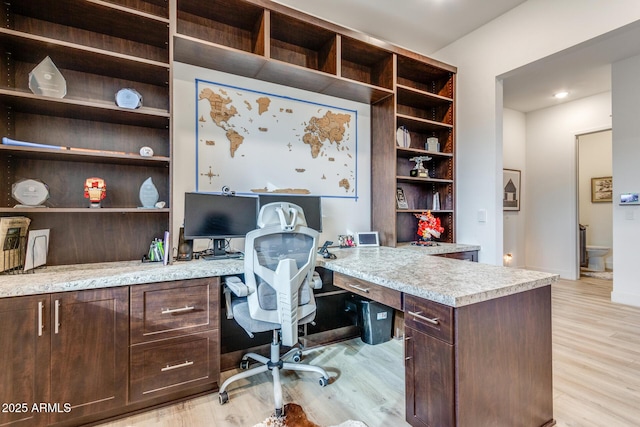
258,142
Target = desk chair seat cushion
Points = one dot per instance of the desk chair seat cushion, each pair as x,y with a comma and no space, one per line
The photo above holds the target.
267,298
241,316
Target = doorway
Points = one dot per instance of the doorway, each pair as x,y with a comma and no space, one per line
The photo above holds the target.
595,207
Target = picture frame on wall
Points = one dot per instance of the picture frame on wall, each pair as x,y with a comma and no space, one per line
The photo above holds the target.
602,189
511,189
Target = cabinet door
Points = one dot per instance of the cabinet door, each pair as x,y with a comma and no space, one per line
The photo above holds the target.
89,350
429,380
24,360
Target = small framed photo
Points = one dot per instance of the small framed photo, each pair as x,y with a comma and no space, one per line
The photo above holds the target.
367,238
602,189
511,190
401,201
346,241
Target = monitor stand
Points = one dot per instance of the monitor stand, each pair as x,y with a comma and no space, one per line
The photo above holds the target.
219,246
218,251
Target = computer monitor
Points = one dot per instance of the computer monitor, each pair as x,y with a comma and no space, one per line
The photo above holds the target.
218,217
311,205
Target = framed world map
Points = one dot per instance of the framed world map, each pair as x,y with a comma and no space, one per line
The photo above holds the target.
258,142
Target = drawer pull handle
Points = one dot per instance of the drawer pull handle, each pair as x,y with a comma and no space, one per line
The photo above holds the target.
365,290
40,318
178,366
434,321
178,310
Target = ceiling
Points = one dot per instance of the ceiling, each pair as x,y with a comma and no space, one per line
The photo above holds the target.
429,25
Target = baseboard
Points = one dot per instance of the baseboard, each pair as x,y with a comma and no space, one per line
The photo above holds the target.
625,298
564,274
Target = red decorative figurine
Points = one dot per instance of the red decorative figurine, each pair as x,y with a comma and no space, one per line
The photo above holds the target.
95,190
428,226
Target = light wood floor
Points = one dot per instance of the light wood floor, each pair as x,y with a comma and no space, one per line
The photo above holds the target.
596,374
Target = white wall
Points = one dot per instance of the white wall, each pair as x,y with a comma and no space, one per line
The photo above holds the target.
551,192
514,157
534,30
340,216
626,155
595,160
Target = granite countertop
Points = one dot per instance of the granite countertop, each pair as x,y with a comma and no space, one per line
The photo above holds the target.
407,269
448,281
111,274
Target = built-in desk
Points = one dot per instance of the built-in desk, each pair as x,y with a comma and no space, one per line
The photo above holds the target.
477,337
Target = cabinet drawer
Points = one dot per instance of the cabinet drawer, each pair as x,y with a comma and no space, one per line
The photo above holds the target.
465,256
430,317
164,310
180,363
389,297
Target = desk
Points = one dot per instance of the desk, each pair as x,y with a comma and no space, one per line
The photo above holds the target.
487,360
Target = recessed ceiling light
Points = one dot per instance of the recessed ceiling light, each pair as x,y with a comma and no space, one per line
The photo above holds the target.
561,95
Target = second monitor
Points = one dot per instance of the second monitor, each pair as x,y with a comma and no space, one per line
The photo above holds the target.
311,205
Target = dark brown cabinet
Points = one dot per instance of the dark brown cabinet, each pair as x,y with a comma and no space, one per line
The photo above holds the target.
483,364
175,338
429,363
89,351
67,351
24,359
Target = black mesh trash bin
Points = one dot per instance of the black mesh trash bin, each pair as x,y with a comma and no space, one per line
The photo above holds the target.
375,320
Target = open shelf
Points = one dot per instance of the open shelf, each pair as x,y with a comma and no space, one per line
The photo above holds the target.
212,21
423,105
99,47
27,102
299,43
366,63
98,24
425,77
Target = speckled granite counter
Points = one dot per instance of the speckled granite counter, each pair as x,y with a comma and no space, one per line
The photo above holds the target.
407,269
105,275
456,283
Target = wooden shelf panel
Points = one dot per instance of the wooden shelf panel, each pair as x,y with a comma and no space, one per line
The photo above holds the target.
96,24
84,210
411,179
32,49
83,156
411,152
210,55
81,109
158,8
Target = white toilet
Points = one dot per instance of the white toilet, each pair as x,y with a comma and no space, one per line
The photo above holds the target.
595,255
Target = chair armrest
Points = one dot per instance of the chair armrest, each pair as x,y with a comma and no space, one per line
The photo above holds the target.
236,286
316,281
239,289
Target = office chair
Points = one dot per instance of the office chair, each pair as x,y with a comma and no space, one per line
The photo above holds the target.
277,295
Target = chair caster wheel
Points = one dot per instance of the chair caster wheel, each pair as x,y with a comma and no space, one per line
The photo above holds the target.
223,397
323,381
297,357
244,364
279,412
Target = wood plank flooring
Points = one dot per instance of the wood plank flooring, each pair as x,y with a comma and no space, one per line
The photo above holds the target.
596,360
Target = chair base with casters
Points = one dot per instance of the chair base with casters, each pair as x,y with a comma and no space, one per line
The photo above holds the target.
277,294
275,364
